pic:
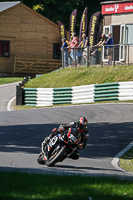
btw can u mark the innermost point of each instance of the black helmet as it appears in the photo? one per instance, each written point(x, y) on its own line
point(82, 124)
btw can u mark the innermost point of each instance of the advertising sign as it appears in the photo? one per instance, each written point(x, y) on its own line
point(83, 24)
point(62, 30)
point(72, 24)
point(117, 8)
point(93, 26)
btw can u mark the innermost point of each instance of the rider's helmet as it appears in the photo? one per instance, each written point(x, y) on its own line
point(82, 124)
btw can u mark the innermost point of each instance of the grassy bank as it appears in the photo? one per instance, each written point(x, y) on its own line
point(82, 76)
point(7, 80)
point(126, 161)
point(51, 187)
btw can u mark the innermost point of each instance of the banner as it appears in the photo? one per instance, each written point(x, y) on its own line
point(93, 26)
point(115, 8)
point(83, 24)
point(62, 30)
point(72, 23)
point(100, 30)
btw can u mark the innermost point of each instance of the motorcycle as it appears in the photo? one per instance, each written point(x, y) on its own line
point(57, 149)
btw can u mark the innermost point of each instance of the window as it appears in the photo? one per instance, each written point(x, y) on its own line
point(129, 34)
point(4, 48)
point(106, 30)
point(56, 51)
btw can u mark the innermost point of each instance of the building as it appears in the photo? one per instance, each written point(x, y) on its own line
point(119, 21)
point(29, 42)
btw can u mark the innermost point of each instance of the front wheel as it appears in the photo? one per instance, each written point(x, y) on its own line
point(56, 156)
point(40, 160)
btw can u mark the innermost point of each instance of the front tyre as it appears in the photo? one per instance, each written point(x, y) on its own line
point(54, 158)
point(40, 160)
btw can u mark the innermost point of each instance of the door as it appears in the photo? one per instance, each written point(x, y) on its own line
point(116, 41)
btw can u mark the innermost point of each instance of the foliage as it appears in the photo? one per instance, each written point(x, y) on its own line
point(61, 10)
point(10, 80)
point(126, 161)
point(38, 186)
point(69, 77)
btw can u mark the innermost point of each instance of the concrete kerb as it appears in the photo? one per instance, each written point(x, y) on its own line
point(9, 105)
point(115, 161)
point(11, 100)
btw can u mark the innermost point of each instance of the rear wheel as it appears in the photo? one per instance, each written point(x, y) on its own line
point(56, 156)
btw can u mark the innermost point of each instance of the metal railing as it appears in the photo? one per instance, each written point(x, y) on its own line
point(118, 54)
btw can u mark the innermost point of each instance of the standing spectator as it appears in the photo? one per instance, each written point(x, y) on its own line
point(102, 41)
point(65, 51)
point(84, 43)
point(74, 43)
point(109, 48)
point(95, 50)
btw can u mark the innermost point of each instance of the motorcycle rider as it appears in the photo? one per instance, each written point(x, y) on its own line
point(78, 129)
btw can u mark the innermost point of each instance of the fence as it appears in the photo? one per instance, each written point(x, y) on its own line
point(117, 54)
point(119, 91)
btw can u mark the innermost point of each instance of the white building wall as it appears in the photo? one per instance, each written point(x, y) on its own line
point(126, 18)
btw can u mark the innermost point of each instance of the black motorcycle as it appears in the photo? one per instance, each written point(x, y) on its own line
point(57, 149)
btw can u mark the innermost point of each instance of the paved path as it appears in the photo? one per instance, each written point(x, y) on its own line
point(7, 92)
point(110, 127)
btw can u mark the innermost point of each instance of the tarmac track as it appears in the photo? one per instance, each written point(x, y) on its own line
point(110, 127)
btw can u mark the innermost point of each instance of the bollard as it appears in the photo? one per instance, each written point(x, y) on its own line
point(20, 91)
point(19, 95)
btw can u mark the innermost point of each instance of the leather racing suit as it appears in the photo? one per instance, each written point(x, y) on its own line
point(71, 128)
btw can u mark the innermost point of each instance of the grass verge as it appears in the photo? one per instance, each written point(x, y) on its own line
point(23, 186)
point(126, 161)
point(69, 77)
point(24, 107)
point(7, 80)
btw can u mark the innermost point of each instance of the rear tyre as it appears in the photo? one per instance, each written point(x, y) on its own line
point(56, 157)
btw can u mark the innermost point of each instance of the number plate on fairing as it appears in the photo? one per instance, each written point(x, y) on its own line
point(53, 141)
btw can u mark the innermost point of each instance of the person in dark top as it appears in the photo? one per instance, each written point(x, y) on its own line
point(65, 51)
point(78, 129)
point(95, 50)
point(109, 42)
point(84, 44)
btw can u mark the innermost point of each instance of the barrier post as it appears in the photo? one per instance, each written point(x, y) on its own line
point(87, 57)
point(128, 54)
point(19, 95)
point(113, 56)
point(62, 58)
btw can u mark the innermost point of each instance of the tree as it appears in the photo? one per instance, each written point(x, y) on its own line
point(61, 10)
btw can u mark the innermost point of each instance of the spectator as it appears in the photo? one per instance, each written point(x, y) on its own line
point(73, 44)
point(94, 50)
point(109, 42)
point(65, 51)
point(84, 43)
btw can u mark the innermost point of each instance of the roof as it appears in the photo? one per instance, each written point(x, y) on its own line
point(118, 1)
point(6, 5)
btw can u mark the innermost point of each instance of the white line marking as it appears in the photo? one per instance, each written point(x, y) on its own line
point(10, 103)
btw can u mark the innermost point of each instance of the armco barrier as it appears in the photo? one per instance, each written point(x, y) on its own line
point(79, 94)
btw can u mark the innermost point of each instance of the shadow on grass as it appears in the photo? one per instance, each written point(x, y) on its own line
point(32, 186)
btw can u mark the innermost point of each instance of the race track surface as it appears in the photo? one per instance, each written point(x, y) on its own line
point(110, 128)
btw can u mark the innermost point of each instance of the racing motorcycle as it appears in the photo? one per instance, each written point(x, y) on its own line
point(57, 149)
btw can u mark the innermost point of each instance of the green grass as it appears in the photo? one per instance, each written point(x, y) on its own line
point(126, 161)
point(69, 77)
point(23, 186)
point(7, 80)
